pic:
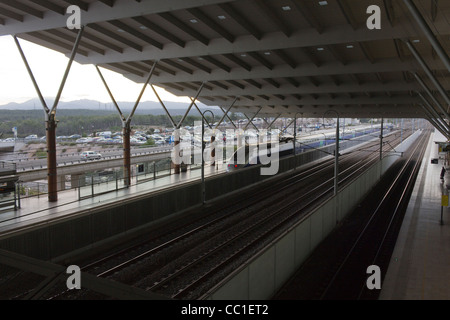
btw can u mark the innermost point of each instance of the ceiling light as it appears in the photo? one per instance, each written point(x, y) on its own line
point(416, 41)
point(143, 27)
point(350, 46)
point(243, 55)
point(286, 8)
point(193, 20)
point(221, 17)
point(120, 30)
point(267, 53)
point(200, 59)
point(323, 3)
point(320, 49)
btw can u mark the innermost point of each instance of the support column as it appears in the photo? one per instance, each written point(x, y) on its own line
point(50, 115)
point(52, 175)
point(177, 167)
point(213, 150)
point(239, 138)
point(381, 139)
point(126, 154)
point(336, 159)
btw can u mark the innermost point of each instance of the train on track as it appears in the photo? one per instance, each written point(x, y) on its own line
point(250, 154)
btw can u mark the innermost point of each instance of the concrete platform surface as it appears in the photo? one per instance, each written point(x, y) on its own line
point(420, 264)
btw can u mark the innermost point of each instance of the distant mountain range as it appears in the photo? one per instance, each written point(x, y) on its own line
point(147, 107)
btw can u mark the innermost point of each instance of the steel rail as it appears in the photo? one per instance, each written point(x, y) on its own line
point(368, 224)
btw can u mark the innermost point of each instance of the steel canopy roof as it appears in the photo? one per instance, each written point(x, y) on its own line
point(276, 56)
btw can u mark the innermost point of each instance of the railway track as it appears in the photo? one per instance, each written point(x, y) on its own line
point(167, 264)
point(338, 268)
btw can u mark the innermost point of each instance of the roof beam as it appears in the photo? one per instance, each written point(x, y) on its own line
point(139, 66)
point(236, 84)
point(236, 16)
point(366, 52)
point(115, 36)
point(283, 56)
point(434, 10)
point(379, 77)
point(219, 84)
point(390, 11)
point(68, 37)
point(428, 33)
point(253, 83)
point(270, 13)
point(336, 54)
point(272, 82)
point(135, 33)
point(355, 78)
point(177, 65)
point(83, 5)
point(50, 5)
point(261, 60)
point(184, 27)
point(157, 29)
point(160, 67)
point(199, 14)
point(98, 12)
point(398, 49)
point(346, 11)
point(270, 42)
point(217, 63)
point(109, 3)
point(335, 80)
point(10, 14)
point(325, 100)
point(313, 58)
point(55, 42)
point(196, 64)
point(313, 80)
point(120, 66)
point(238, 61)
point(293, 82)
point(309, 17)
point(24, 8)
point(284, 71)
point(99, 41)
point(288, 89)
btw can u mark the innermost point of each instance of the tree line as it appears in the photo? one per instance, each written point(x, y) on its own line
point(82, 122)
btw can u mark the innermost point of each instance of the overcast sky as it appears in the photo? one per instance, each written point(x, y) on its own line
point(48, 67)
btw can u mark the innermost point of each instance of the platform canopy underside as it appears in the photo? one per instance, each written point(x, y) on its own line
point(278, 57)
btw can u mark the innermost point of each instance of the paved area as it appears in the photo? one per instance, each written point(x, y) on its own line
point(34, 210)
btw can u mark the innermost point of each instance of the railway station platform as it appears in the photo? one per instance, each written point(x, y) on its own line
point(36, 210)
point(419, 266)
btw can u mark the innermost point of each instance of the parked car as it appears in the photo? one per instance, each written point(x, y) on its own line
point(90, 155)
point(31, 137)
